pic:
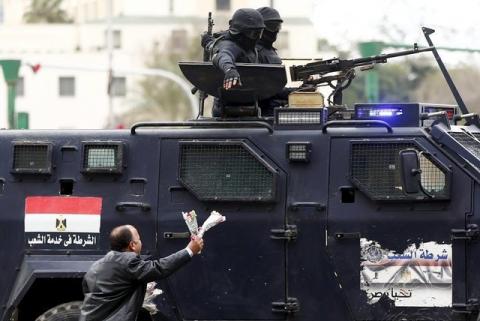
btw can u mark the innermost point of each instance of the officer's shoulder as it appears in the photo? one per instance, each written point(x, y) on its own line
point(226, 43)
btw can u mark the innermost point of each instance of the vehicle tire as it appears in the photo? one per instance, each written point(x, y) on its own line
point(69, 311)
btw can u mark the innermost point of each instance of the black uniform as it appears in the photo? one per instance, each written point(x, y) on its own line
point(267, 54)
point(236, 45)
point(227, 51)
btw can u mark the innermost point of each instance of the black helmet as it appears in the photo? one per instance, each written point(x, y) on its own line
point(270, 14)
point(244, 20)
point(271, 18)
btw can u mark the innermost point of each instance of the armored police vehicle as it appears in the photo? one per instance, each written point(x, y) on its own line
point(369, 217)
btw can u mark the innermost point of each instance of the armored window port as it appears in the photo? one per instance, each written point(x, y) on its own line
point(32, 158)
point(103, 157)
point(348, 194)
point(66, 186)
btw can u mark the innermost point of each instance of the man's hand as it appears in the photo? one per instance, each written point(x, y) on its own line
point(195, 245)
point(232, 79)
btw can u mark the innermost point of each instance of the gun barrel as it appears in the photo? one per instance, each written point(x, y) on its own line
point(383, 58)
point(321, 67)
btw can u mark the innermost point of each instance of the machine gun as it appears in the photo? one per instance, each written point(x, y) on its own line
point(341, 71)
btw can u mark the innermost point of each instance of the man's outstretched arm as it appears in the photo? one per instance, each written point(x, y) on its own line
point(148, 271)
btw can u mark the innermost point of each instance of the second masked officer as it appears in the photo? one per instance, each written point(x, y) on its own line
point(267, 54)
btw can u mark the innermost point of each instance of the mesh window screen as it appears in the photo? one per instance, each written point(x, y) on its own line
point(468, 142)
point(102, 158)
point(375, 169)
point(31, 158)
point(225, 173)
point(433, 179)
point(477, 136)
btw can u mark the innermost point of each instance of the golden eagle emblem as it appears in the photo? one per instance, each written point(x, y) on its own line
point(61, 224)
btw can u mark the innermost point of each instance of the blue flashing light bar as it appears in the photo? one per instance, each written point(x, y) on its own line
point(401, 114)
point(383, 112)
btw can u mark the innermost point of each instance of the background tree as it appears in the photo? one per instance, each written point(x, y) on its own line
point(411, 79)
point(46, 11)
point(158, 98)
point(398, 81)
point(418, 80)
point(435, 89)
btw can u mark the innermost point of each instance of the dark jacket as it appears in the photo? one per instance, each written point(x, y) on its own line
point(115, 285)
point(227, 51)
point(267, 54)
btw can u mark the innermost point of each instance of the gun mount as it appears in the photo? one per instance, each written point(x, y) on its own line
point(259, 82)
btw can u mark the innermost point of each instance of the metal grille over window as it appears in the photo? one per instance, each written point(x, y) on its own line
point(433, 179)
point(477, 136)
point(225, 172)
point(31, 158)
point(98, 158)
point(472, 145)
point(375, 169)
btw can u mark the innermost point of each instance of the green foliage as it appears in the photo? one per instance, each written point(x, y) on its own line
point(418, 80)
point(159, 98)
point(398, 81)
point(46, 11)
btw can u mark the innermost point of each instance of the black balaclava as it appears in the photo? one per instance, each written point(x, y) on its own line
point(273, 23)
point(246, 27)
point(245, 42)
point(269, 36)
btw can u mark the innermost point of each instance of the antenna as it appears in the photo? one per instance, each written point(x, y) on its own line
point(463, 108)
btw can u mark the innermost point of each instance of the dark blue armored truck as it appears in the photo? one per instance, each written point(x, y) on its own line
point(374, 217)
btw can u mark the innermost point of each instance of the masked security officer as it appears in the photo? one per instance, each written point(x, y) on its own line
point(237, 44)
point(267, 54)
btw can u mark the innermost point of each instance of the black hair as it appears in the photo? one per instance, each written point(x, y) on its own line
point(120, 238)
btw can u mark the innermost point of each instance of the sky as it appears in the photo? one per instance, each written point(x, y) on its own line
point(344, 22)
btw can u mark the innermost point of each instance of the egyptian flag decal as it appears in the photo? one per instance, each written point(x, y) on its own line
point(62, 222)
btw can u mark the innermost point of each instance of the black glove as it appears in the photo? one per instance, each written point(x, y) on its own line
point(232, 79)
point(206, 39)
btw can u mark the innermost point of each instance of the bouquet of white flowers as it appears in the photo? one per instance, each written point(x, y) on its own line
point(150, 294)
point(215, 218)
point(191, 220)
